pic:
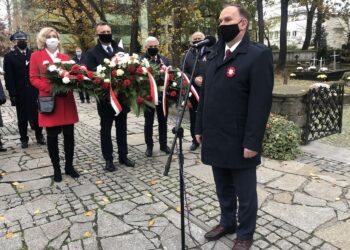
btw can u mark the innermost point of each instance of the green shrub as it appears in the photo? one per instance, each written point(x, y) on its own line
point(281, 140)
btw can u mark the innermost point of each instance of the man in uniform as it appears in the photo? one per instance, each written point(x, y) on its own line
point(153, 56)
point(107, 48)
point(232, 114)
point(22, 94)
point(78, 58)
point(199, 73)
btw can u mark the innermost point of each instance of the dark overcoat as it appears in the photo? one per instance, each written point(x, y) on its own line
point(16, 69)
point(235, 104)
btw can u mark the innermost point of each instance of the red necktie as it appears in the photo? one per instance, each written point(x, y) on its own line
point(228, 52)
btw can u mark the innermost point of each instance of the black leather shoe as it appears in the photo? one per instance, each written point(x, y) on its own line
point(149, 152)
point(194, 146)
point(127, 162)
point(57, 176)
point(41, 141)
point(72, 172)
point(24, 144)
point(88, 101)
point(217, 232)
point(110, 166)
point(165, 149)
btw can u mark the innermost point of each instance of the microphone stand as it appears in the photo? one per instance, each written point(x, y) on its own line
point(178, 131)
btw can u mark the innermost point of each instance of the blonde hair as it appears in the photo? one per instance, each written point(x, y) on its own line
point(41, 37)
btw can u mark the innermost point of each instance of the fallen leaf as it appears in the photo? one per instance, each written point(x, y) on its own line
point(85, 171)
point(98, 182)
point(2, 218)
point(87, 234)
point(337, 199)
point(37, 211)
point(89, 213)
point(15, 183)
point(151, 222)
point(106, 200)
point(9, 235)
point(148, 195)
point(3, 174)
point(153, 182)
point(199, 162)
point(312, 174)
point(178, 209)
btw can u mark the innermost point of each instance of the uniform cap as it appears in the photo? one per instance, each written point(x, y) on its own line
point(19, 35)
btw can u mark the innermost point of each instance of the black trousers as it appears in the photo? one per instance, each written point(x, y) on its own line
point(52, 144)
point(107, 117)
point(82, 97)
point(22, 122)
point(233, 184)
point(193, 113)
point(162, 126)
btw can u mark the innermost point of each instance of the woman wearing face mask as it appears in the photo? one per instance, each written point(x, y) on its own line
point(65, 114)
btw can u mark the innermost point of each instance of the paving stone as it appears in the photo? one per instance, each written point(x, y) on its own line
point(127, 242)
point(339, 205)
point(17, 213)
point(78, 230)
point(30, 175)
point(157, 208)
point(35, 238)
point(284, 197)
point(85, 189)
point(90, 244)
point(323, 190)
point(57, 243)
point(215, 245)
point(262, 195)
point(120, 207)
point(6, 189)
point(308, 200)
point(76, 245)
point(305, 218)
point(265, 175)
point(35, 185)
point(142, 200)
point(288, 182)
point(53, 229)
point(14, 243)
point(42, 204)
point(338, 234)
point(109, 225)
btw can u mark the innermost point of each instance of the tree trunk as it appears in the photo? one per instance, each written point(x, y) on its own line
point(134, 32)
point(309, 21)
point(261, 25)
point(176, 37)
point(283, 36)
point(9, 15)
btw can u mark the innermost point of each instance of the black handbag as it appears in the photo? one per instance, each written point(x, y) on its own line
point(46, 104)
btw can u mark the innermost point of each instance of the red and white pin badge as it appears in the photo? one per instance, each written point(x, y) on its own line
point(231, 72)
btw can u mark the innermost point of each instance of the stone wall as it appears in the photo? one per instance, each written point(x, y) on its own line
point(303, 55)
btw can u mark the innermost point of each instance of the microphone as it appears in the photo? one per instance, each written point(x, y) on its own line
point(208, 41)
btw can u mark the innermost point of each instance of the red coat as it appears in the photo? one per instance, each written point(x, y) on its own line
point(65, 111)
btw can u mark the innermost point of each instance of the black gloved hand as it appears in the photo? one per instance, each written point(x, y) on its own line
point(2, 101)
point(13, 101)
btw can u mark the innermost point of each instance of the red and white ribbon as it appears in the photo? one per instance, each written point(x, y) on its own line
point(153, 88)
point(114, 102)
point(193, 90)
point(166, 84)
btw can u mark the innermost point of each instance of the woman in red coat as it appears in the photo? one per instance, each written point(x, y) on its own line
point(65, 114)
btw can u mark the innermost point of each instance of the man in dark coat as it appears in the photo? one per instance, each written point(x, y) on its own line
point(107, 48)
point(152, 49)
point(199, 73)
point(78, 58)
point(22, 94)
point(233, 110)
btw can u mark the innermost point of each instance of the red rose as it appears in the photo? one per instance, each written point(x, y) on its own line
point(131, 69)
point(140, 100)
point(80, 77)
point(139, 71)
point(183, 92)
point(171, 76)
point(90, 74)
point(149, 98)
point(75, 68)
point(127, 82)
point(105, 85)
point(114, 72)
point(98, 81)
point(184, 83)
point(133, 77)
point(173, 93)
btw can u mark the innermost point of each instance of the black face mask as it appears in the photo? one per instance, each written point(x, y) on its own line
point(152, 51)
point(195, 42)
point(22, 45)
point(228, 32)
point(105, 38)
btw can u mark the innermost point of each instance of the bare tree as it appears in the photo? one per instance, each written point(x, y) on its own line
point(283, 36)
point(7, 4)
point(261, 25)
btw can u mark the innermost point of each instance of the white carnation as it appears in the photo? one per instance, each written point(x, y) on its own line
point(120, 72)
point(52, 68)
point(99, 69)
point(112, 64)
point(179, 74)
point(83, 67)
point(174, 84)
point(107, 80)
point(56, 60)
point(65, 80)
point(106, 60)
point(190, 94)
point(144, 70)
point(145, 62)
point(46, 62)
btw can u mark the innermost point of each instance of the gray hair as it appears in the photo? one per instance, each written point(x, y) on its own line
point(151, 39)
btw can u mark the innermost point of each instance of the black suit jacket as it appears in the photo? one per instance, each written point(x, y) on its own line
point(234, 108)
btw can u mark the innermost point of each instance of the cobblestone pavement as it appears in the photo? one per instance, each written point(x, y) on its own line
point(302, 205)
